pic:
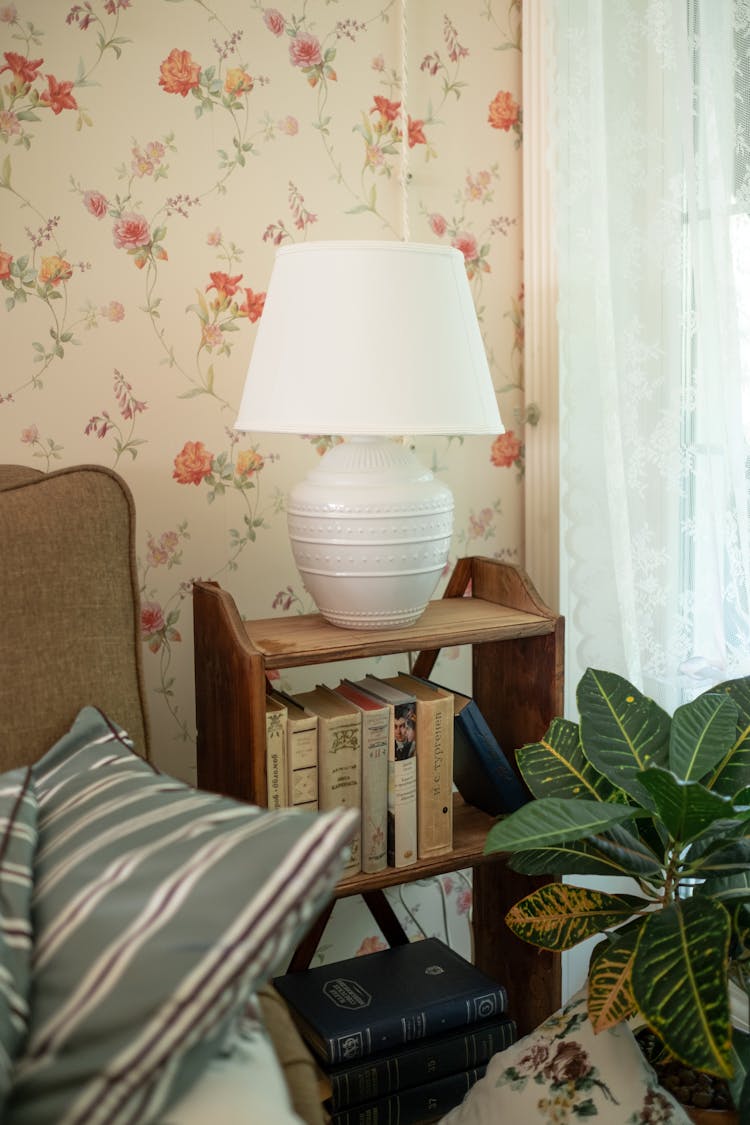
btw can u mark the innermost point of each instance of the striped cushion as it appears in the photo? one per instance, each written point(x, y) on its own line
point(17, 843)
point(158, 911)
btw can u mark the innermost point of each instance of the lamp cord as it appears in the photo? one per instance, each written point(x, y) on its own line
point(405, 175)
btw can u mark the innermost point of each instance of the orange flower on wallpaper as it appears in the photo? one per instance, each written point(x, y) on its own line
point(54, 269)
point(238, 81)
point(387, 109)
point(224, 285)
point(416, 133)
point(504, 111)
point(252, 307)
point(24, 70)
point(248, 462)
point(506, 449)
point(179, 74)
point(193, 463)
point(5, 264)
point(58, 96)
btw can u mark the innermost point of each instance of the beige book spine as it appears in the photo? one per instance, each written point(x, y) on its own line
point(302, 755)
point(276, 768)
point(340, 771)
point(377, 735)
point(402, 811)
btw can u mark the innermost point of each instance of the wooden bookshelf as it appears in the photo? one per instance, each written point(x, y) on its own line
point(517, 680)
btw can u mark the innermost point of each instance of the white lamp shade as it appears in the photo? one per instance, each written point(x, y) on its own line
point(369, 338)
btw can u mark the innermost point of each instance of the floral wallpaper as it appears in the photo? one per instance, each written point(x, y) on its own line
point(153, 155)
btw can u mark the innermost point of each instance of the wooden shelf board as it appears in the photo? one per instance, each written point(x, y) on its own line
point(288, 642)
point(470, 828)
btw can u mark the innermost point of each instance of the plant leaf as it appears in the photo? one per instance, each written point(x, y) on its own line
point(610, 997)
point(552, 820)
point(680, 981)
point(631, 854)
point(576, 858)
point(702, 733)
point(558, 767)
point(733, 772)
point(558, 915)
point(622, 731)
point(687, 808)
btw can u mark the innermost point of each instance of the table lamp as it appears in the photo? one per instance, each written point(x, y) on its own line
point(369, 341)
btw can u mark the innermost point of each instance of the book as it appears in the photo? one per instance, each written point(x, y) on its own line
point(377, 735)
point(429, 1060)
point(418, 1104)
point(301, 753)
point(401, 844)
point(339, 757)
point(355, 1008)
point(276, 753)
point(481, 772)
point(434, 709)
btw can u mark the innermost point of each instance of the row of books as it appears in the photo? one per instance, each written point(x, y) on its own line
point(392, 747)
point(401, 1034)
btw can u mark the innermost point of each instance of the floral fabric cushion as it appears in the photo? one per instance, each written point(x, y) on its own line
point(563, 1072)
point(158, 911)
point(17, 844)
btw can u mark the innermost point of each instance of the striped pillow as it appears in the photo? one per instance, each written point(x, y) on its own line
point(17, 843)
point(158, 910)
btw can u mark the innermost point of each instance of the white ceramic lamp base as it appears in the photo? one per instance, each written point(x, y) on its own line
point(370, 530)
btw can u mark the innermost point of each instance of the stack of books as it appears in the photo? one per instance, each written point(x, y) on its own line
point(394, 748)
point(401, 1034)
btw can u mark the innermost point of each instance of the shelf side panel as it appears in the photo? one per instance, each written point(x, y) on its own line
point(229, 699)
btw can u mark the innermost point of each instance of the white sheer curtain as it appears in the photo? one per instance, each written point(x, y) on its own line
point(650, 158)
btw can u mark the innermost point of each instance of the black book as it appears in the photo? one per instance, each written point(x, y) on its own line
point(428, 1102)
point(481, 772)
point(352, 1009)
point(431, 1059)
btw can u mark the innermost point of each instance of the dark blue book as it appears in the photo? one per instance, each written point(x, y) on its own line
point(433, 1058)
point(481, 772)
point(352, 1009)
point(412, 1107)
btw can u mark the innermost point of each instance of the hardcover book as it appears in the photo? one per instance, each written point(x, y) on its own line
point(427, 1061)
point(301, 753)
point(377, 735)
point(356, 1008)
point(434, 706)
point(402, 771)
point(418, 1104)
point(275, 753)
point(339, 757)
point(481, 772)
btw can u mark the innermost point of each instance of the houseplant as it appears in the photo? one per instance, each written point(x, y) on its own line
point(630, 791)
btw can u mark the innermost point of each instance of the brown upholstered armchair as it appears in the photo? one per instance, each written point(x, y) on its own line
point(70, 637)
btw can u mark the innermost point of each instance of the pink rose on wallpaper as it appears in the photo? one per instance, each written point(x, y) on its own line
point(253, 304)
point(58, 96)
point(193, 463)
point(95, 203)
point(114, 311)
point(438, 224)
point(54, 269)
point(467, 244)
point(213, 238)
point(152, 618)
point(211, 335)
point(370, 945)
point(289, 125)
point(5, 264)
point(178, 73)
point(9, 123)
point(131, 231)
point(304, 50)
point(503, 111)
point(506, 449)
point(30, 435)
point(8, 13)
point(274, 21)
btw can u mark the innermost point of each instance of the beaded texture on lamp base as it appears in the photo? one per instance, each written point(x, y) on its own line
point(370, 530)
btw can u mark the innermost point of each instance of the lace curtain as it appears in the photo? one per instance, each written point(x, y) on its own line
point(650, 159)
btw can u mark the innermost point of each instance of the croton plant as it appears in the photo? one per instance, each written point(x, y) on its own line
point(630, 791)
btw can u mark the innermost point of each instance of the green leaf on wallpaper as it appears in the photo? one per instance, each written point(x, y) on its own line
point(192, 393)
point(360, 207)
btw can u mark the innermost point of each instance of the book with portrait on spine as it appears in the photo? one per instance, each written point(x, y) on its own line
point(433, 1058)
point(352, 1009)
point(275, 753)
point(339, 757)
point(428, 1102)
point(377, 734)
